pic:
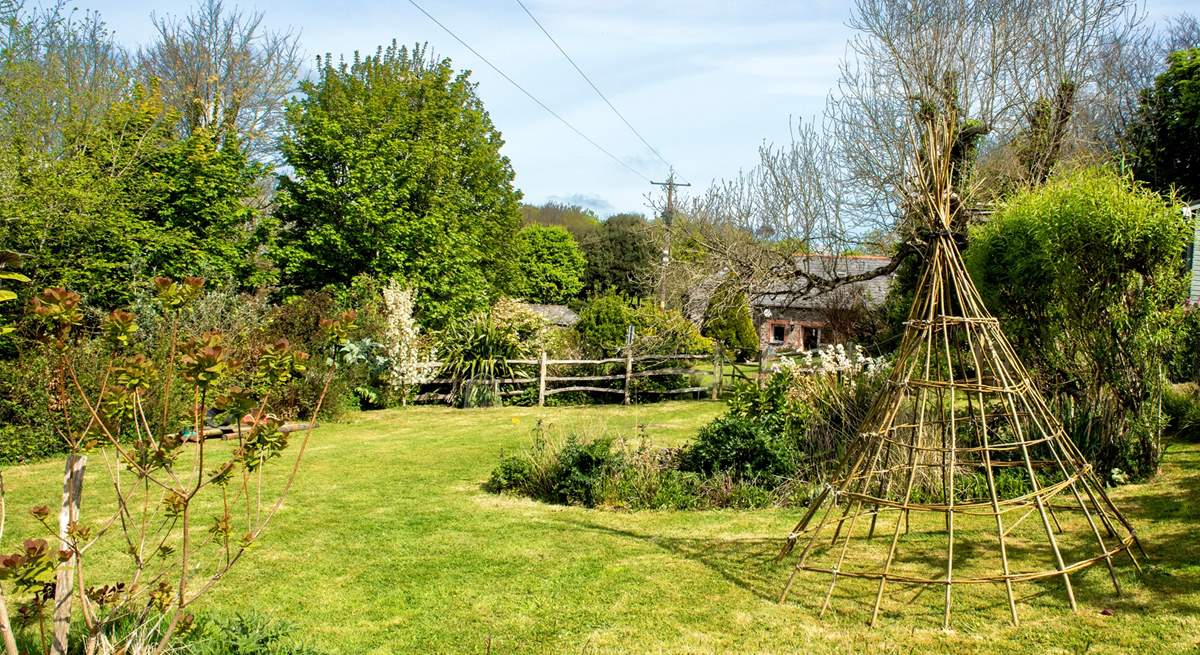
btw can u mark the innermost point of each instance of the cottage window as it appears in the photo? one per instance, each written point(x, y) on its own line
point(778, 332)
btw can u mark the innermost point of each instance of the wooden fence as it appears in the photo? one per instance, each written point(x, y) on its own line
point(650, 366)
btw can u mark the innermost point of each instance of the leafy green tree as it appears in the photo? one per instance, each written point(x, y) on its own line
point(622, 257)
point(126, 198)
point(727, 320)
point(550, 265)
point(396, 170)
point(1086, 273)
point(1162, 140)
point(580, 222)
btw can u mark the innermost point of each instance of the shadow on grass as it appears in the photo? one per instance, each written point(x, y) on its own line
point(747, 563)
point(1166, 517)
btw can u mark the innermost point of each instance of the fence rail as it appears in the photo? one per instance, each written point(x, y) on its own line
point(545, 381)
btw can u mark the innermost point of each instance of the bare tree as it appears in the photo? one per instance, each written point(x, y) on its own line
point(844, 184)
point(223, 71)
point(60, 71)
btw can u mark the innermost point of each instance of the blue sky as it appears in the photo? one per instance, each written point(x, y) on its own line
point(706, 81)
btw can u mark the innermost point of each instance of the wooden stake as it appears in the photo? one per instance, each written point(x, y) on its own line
point(64, 585)
point(542, 379)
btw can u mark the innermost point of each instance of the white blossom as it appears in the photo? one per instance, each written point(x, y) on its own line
point(409, 365)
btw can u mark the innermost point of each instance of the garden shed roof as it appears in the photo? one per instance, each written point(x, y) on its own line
point(560, 315)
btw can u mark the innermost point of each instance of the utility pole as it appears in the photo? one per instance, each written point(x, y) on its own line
point(670, 185)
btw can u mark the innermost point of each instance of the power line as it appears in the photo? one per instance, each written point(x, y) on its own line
point(595, 88)
point(520, 88)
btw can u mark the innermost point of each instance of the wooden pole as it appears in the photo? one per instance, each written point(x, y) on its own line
point(762, 359)
point(542, 380)
point(715, 392)
point(64, 585)
point(628, 371)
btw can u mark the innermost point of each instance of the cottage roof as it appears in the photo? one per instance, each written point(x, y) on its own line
point(554, 314)
point(789, 293)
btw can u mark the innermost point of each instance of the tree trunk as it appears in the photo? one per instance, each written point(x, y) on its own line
point(65, 580)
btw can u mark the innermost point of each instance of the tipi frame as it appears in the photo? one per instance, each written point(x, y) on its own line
point(958, 430)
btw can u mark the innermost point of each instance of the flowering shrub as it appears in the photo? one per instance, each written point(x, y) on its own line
point(410, 362)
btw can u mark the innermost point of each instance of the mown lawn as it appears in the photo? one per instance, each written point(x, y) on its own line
point(388, 545)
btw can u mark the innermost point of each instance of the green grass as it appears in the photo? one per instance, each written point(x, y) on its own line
point(388, 545)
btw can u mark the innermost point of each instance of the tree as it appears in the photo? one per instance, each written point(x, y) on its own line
point(396, 170)
point(846, 181)
point(550, 263)
point(622, 257)
point(728, 321)
point(1162, 139)
point(580, 222)
point(1086, 275)
point(223, 73)
point(128, 198)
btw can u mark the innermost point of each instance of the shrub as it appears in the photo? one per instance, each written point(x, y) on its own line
point(244, 634)
point(1181, 407)
point(603, 472)
point(475, 356)
point(602, 325)
point(582, 467)
point(1086, 273)
point(512, 473)
point(738, 445)
point(727, 321)
point(666, 332)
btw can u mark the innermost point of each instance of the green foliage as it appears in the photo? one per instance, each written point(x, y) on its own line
point(581, 223)
point(1086, 272)
point(582, 466)
point(1181, 405)
point(594, 472)
point(8, 259)
point(551, 265)
point(126, 198)
point(397, 171)
point(244, 634)
point(727, 321)
point(622, 257)
point(666, 332)
point(604, 321)
point(475, 353)
point(1162, 139)
point(739, 445)
point(603, 324)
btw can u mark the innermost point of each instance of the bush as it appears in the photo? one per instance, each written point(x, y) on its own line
point(512, 473)
point(475, 353)
point(1181, 406)
point(582, 467)
point(601, 472)
point(727, 321)
point(1087, 275)
point(739, 446)
point(602, 325)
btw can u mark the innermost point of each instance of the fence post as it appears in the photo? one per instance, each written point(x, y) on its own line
point(762, 358)
point(716, 384)
point(542, 380)
point(628, 371)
